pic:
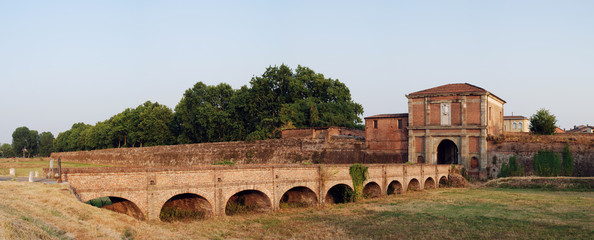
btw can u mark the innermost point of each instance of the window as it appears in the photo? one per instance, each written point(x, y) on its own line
point(520, 126)
point(515, 125)
point(420, 159)
point(400, 124)
point(374, 123)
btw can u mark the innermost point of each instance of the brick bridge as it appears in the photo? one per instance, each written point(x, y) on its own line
point(144, 192)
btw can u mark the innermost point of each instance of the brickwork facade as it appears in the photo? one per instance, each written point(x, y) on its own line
point(454, 123)
point(150, 189)
point(273, 151)
point(448, 124)
point(325, 133)
point(386, 137)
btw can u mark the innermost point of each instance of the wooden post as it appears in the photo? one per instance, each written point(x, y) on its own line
point(59, 170)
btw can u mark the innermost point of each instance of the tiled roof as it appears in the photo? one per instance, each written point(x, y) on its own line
point(450, 88)
point(453, 88)
point(580, 129)
point(396, 115)
point(514, 117)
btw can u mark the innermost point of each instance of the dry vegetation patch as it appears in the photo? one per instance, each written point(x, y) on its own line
point(38, 211)
point(545, 183)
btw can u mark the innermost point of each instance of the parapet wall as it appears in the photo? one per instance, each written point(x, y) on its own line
point(525, 145)
point(273, 151)
point(332, 151)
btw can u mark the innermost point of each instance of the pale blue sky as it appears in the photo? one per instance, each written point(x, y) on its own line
point(63, 62)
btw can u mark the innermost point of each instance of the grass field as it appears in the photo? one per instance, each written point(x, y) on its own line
point(34, 210)
point(23, 166)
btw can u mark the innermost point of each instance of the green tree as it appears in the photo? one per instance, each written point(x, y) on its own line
point(567, 165)
point(206, 114)
point(23, 138)
point(74, 139)
point(60, 143)
point(6, 150)
point(543, 122)
point(46, 144)
point(281, 97)
point(120, 128)
point(155, 125)
point(97, 137)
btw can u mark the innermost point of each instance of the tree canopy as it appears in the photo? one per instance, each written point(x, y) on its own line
point(148, 124)
point(6, 150)
point(543, 122)
point(46, 144)
point(280, 98)
point(24, 139)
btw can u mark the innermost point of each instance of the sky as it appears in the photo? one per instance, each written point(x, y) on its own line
point(64, 62)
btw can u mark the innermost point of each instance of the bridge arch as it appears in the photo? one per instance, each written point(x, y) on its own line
point(119, 205)
point(413, 185)
point(372, 190)
point(443, 181)
point(185, 206)
point(429, 183)
point(395, 187)
point(248, 200)
point(300, 196)
point(339, 193)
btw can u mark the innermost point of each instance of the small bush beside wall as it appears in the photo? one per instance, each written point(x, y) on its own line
point(511, 168)
point(547, 164)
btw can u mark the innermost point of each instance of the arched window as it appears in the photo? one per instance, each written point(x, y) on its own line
point(515, 125)
point(520, 126)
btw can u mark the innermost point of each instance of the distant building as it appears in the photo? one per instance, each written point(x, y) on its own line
point(386, 137)
point(516, 124)
point(559, 130)
point(448, 124)
point(581, 129)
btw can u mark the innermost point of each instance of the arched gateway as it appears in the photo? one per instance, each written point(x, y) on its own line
point(447, 152)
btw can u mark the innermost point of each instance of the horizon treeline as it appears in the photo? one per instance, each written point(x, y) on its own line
point(278, 99)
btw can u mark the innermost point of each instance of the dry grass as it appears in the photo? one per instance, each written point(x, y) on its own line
point(545, 183)
point(38, 211)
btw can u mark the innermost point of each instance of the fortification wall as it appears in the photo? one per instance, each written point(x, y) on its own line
point(333, 151)
point(273, 151)
point(525, 145)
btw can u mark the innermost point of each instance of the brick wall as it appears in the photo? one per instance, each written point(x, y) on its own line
point(525, 145)
point(281, 151)
point(274, 151)
point(321, 133)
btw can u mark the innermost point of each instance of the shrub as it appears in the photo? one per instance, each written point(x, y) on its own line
point(358, 173)
point(224, 162)
point(234, 208)
point(173, 213)
point(511, 169)
point(547, 164)
point(567, 165)
point(100, 202)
